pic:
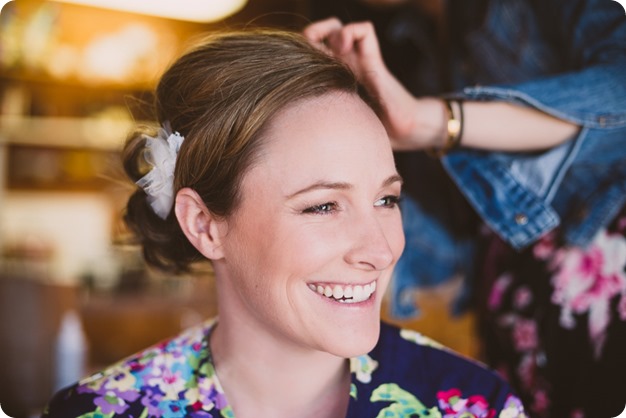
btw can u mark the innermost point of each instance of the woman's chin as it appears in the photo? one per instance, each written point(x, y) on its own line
point(354, 342)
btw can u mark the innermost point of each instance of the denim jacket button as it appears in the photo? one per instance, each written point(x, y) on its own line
point(521, 219)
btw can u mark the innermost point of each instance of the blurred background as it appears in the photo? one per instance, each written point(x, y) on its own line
point(73, 78)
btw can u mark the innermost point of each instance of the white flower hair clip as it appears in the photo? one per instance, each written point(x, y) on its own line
point(161, 152)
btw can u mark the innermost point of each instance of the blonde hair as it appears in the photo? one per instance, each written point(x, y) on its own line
point(220, 96)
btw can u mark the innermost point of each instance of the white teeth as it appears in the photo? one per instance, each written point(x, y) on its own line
point(337, 292)
point(345, 294)
point(358, 292)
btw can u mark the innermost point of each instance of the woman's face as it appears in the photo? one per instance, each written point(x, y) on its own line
point(311, 247)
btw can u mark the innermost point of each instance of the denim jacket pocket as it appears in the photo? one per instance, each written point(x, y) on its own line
point(509, 208)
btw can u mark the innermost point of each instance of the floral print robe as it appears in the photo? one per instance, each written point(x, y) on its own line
point(406, 375)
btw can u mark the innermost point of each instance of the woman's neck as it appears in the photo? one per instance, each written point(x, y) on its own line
point(262, 376)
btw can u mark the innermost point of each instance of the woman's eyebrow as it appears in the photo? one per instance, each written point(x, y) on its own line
point(321, 185)
point(341, 185)
point(393, 179)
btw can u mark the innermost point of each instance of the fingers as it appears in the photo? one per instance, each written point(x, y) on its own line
point(358, 37)
point(318, 32)
point(332, 36)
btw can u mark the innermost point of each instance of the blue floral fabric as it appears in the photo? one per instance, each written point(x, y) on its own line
point(406, 375)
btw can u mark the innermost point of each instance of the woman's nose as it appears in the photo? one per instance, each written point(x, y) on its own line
point(370, 247)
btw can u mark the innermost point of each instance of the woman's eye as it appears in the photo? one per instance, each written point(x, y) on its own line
point(390, 201)
point(323, 209)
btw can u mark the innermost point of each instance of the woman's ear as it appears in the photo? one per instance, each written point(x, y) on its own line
point(199, 225)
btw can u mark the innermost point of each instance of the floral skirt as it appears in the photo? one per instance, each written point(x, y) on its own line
point(553, 321)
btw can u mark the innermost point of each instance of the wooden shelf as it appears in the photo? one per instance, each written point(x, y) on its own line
point(68, 132)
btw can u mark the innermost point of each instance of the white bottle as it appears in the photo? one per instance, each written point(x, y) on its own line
point(70, 351)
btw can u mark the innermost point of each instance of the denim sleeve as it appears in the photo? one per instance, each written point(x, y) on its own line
point(514, 192)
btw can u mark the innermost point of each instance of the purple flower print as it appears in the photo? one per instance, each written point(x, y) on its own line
point(199, 414)
point(151, 400)
point(218, 398)
point(115, 401)
point(513, 408)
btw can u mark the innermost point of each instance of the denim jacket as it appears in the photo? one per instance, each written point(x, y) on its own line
point(566, 58)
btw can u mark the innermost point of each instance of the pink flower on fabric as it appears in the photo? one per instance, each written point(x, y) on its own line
point(498, 289)
point(577, 413)
point(587, 279)
point(526, 370)
point(525, 334)
point(522, 297)
point(168, 381)
point(453, 406)
point(540, 402)
point(545, 247)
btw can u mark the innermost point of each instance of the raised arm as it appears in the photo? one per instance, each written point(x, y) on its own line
point(420, 122)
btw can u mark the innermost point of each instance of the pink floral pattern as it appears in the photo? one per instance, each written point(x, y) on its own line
point(525, 334)
point(453, 405)
point(586, 280)
point(498, 290)
point(554, 317)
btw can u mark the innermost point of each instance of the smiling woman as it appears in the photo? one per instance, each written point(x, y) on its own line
point(278, 172)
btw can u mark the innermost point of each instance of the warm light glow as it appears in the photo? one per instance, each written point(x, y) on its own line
point(193, 10)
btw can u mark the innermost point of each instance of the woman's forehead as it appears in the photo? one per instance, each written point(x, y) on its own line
point(332, 138)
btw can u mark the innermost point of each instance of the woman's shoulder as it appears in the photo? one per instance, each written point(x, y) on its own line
point(408, 368)
point(152, 379)
point(413, 350)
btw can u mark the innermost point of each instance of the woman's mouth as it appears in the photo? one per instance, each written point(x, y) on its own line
point(345, 293)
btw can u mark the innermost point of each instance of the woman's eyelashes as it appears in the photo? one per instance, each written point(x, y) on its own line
point(322, 209)
point(389, 201)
